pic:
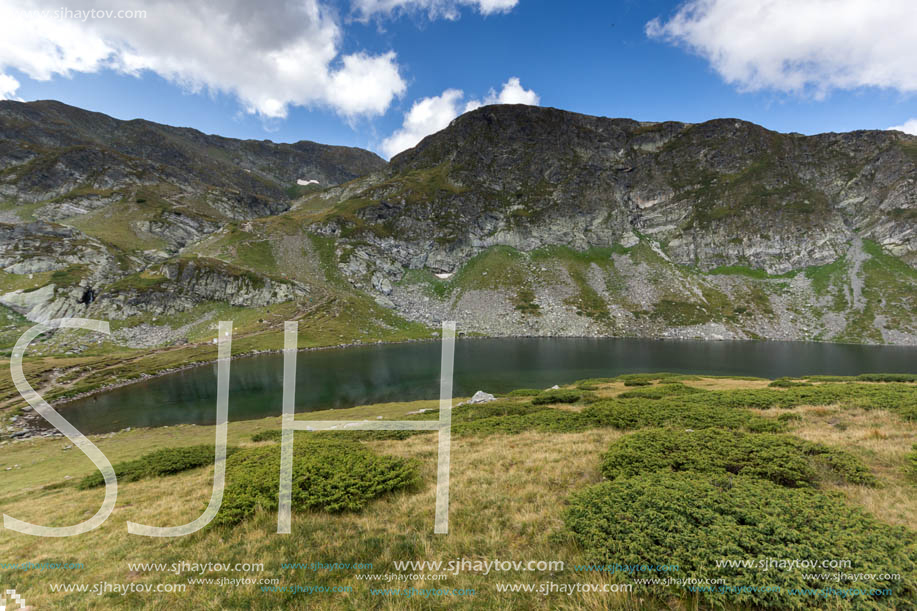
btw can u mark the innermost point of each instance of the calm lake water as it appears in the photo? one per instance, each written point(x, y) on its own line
point(402, 372)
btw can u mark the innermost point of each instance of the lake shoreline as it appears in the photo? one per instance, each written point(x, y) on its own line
point(37, 424)
point(30, 423)
point(164, 372)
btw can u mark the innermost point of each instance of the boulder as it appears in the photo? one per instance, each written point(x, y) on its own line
point(480, 397)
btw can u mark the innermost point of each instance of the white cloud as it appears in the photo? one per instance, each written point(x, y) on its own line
point(366, 84)
point(271, 55)
point(426, 116)
point(429, 115)
point(512, 93)
point(908, 127)
point(447, 9)
point(800, 46)
point(8, 86)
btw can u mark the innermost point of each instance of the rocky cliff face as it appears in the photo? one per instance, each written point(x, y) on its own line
point(693, 200)
point(165, 186)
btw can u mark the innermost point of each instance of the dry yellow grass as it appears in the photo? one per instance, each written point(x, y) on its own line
point(507, 499)
point(881, 440)
point(508, 495)
point(726, 383)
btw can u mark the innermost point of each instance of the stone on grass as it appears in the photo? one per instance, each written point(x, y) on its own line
point(479, 397)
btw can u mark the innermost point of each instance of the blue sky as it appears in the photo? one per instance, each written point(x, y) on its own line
point(787, 65)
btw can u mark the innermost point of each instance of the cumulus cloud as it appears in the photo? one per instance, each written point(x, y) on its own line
point(447, 9)
point(426, 116)
point(269, 55)
point(429, 115)
point(908, 127)
point(8, 87)
point(800, 46)
point(512, 93)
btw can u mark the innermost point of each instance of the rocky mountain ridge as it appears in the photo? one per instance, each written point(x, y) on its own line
point(703, 218)
point(87, 201)
point(724, 192)
point(514, 220)
point(46, 146)
point(176, 184)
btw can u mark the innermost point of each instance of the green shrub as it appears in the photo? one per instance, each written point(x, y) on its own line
point(350, 435)
point(467, 413)
point(268, 435)
point(755, 398)
point(592, 382)
point(887, 377)
point(788, 383)
point(782, 459)
point(826, 378)
point(912, 460)
point(629, 414)
point(634, 379)
point(900, 398)
point(825, 394)
point(549, 397)
point(638, 379)
point(789, 417)
point(523, 392)
point(908, 412)
point(673, 389)
point(166, 461)
point(891, 396)
point(328, 473)
point(693, 520)
point(544, 420)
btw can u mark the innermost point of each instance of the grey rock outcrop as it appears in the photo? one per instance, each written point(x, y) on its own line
point(478, 398)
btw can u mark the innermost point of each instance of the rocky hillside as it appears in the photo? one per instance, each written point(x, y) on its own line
point(157, 187)
point(96, 213)
point(514, 220)
point(725, 192)
point(518, 219)
point(62, 161)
